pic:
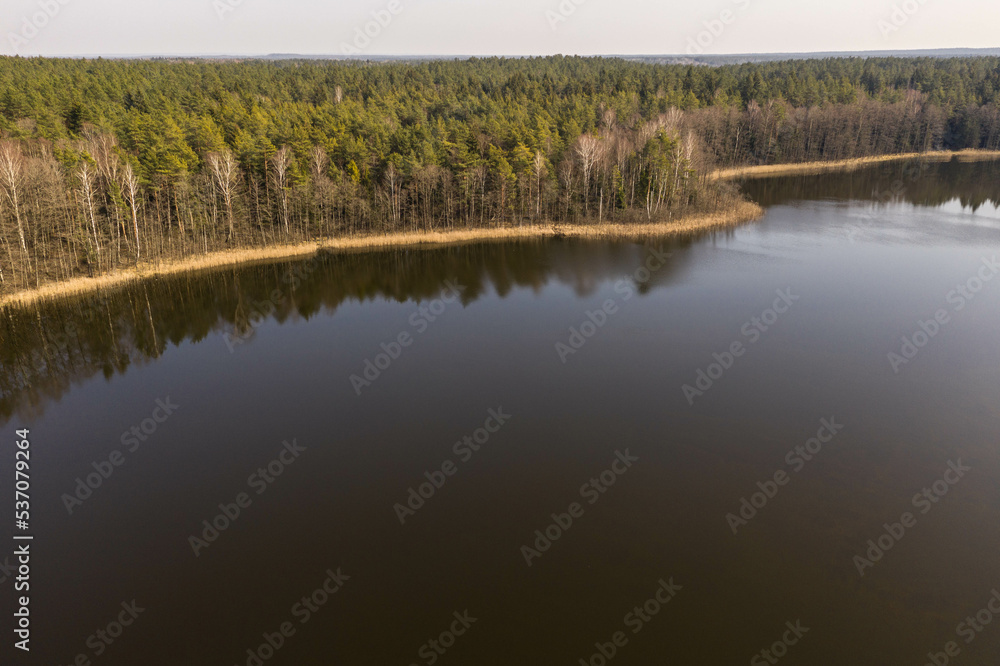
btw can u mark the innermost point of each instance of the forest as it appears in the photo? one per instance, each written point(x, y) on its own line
point(105, 164)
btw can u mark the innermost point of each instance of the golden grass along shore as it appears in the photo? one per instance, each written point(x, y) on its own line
point(807, 168)
point(743, 211)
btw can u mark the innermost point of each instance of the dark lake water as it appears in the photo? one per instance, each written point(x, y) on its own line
point(779, 438)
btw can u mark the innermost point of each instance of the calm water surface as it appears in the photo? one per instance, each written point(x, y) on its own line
point(813, 300)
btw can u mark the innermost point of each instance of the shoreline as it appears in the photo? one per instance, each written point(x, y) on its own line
point(743, 212)
point(811, 168)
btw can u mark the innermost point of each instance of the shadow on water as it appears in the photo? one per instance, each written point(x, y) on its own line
point(49, 346)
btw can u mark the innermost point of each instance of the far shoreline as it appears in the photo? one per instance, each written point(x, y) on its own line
point(742, 213)
point(811, 168)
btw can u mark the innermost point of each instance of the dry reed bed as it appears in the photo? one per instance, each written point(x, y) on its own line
point(808, 168)
point(741, 212)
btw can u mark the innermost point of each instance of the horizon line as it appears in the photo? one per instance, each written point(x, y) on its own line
point(434, 56)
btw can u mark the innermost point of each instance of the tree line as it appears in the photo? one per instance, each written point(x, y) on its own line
point(106, 163)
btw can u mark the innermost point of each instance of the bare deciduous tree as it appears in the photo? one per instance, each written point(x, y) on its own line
point(394, 183)
point(280, 163)
point(11, 181)
point(86, 175)
point(104, 149)
point(130, 189)
point(319, 162)
point(588, 149)
point(224, 168)
point(538, 170)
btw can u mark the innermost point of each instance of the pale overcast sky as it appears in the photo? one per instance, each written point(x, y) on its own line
point(482, 27)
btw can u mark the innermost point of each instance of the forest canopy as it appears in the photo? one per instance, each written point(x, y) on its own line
point(103, 162)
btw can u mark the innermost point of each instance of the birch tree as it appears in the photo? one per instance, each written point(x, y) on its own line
point(280, 163)
point(87, 177)
point(538, 170)
point(130, 189)
point(224, 168)
point(12, 181)
point(393, 182)
point(588, 150)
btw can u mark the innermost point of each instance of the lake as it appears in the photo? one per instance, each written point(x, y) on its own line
point(773, 443)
